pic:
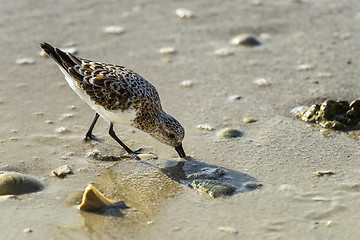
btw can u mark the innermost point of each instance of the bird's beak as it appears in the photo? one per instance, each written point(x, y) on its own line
point(180, 151)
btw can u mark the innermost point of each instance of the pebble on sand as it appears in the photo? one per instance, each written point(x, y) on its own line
point(215, 188)
point(113, 29)
point(184, 13)
point(27, 230)
point(249, 120)
point(229, 133)
point(62, 171)
point(245, 40)
point(23, 61)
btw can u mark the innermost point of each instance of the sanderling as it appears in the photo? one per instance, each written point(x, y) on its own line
point(120, 96)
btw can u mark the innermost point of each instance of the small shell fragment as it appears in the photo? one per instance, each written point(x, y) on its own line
point(322, 173)
point(261, 82)
point(62, 171)
point(167, 50)
point(305, 67)
point(205, 127)
point(93, 199)
point(222, 52)
point(113, 29)
point(184, 13)
point(187, 83)
point(62, 130)
point(324, 75)
point(245, 40)
point(228, 229)
point(23, 61)
point(234, 98)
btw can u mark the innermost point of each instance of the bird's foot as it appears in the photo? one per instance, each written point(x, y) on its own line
point(134, 154)
point(90, 137)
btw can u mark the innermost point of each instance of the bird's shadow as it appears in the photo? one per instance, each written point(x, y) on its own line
point(186, 171)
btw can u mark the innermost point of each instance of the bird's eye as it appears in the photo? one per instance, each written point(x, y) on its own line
point(171, 135)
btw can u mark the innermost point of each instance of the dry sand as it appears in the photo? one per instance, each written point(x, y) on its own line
point(278, 150)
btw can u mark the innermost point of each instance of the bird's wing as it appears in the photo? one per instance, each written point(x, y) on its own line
point(111, 86)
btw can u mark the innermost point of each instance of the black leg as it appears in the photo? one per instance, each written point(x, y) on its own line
point(127, 149)
point(89, 135)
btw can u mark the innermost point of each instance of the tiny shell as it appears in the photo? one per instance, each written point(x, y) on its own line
point(245, 40)
point(167, 50)
point(223, 52)
point(261, 82)
point(62, 130)
point(23, 61)
point(114, 29)
point(229, 133)
point(18, 183)
point(62, 171)
point(205, 127)
point(324, 75)
point(305, 67)
point(234, 98)
point(184, 13)
point(187, 83)
point(228, 229)
point(93, 199)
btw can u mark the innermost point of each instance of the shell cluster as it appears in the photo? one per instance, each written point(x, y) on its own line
point(337, 115)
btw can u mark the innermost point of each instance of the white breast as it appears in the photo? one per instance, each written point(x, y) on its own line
point(116, 116)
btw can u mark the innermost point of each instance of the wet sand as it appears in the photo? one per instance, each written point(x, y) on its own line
point(278, 150)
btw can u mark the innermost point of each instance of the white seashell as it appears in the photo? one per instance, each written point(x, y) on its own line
point(223, 52)
point(305, 67)
point(167, 50)
point(261, 82)
point(62, 130)
point(23, 61)
point(183, 13)
point(205, 127)
point(187, 83)
point(114, 29)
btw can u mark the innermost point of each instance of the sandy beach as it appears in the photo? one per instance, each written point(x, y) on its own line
point(308, 52)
